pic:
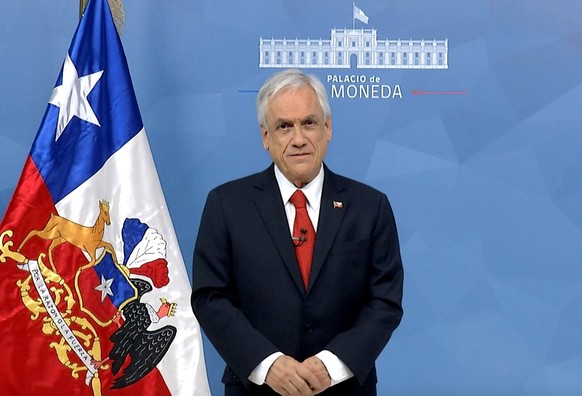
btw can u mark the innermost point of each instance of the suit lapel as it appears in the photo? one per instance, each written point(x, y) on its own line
point(272, 211)
point(331, 213)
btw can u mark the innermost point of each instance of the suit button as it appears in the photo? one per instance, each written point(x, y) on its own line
point(308, 328)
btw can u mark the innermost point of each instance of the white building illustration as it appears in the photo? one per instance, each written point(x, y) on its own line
point(358, 48)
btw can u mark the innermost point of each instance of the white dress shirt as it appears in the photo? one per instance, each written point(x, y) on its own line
point(337, 370)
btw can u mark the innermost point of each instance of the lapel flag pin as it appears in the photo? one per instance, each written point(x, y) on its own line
point(338, 205)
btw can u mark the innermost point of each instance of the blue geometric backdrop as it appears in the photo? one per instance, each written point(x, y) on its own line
point(484, 170)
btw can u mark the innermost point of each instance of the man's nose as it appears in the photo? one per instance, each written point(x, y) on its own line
point(299, 135)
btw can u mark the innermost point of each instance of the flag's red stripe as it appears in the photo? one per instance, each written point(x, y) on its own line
point(34, 366)
point(30, 206)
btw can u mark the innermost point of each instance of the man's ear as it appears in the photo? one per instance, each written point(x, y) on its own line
point(264, 135)
point(328, 128)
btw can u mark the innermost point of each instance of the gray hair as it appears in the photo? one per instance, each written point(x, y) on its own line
point(289, 79)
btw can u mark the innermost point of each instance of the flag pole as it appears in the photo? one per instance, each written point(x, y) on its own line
point(353, 19)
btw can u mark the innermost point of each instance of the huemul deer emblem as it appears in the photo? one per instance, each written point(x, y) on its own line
point(87, 238)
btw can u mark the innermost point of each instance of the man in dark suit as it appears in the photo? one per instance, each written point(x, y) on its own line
point(286, 324)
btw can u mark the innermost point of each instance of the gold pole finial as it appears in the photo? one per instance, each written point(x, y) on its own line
point(117, 10)
point(82, 5)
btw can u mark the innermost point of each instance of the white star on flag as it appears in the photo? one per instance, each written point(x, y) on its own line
point(71, 96)
point(105, 287)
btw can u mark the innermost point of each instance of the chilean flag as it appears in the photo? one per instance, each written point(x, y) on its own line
point(90, 172)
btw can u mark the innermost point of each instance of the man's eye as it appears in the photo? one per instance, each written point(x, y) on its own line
point(309, 122)
point(283, 127)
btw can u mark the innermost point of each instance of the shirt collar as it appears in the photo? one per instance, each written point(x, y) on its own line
point(312, 190)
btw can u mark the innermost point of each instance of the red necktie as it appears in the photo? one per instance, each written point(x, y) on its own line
point(303, 235)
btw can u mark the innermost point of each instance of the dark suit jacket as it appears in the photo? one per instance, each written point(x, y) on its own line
point(248, 294)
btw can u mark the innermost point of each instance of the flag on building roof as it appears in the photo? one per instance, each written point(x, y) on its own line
point(94, 290)
point(359, 14)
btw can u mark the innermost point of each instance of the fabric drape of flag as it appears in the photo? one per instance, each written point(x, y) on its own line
point(360, 15)
point(94, 290)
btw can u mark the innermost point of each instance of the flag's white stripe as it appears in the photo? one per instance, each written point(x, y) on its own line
point(129, 181)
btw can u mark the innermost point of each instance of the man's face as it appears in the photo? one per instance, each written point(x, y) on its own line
point(296, 134)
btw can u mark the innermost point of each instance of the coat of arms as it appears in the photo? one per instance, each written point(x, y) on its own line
point(80, 296)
